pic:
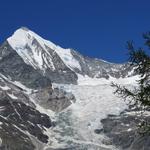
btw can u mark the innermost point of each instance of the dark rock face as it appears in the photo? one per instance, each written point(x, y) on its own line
point(62, 74)
point(54, 99)
point(12, 65)
point(122, 131)
point(101, 69)
point(12, 138)
point(19, 119)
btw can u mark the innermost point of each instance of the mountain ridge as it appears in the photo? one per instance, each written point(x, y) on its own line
point(48, 58)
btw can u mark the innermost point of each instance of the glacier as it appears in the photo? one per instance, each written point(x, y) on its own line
point(76, 124)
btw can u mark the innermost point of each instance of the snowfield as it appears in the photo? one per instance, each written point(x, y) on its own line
point(94, 101)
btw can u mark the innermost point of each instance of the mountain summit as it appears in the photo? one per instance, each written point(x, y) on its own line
point(36, 51)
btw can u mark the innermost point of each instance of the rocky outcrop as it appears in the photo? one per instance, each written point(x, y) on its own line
point(20, 121)
point(123, 132)
point(13, 66)
point(54, 99)
point(97, 68)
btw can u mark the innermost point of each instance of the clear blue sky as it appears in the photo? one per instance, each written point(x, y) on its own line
point(96, 28)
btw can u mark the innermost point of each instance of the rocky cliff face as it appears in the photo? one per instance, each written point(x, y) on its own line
point(20, 121)
point(24, 87)
point(22, 124)
point(13, 66)
point(123, 131)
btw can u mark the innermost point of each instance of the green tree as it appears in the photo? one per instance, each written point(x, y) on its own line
point(139, 96)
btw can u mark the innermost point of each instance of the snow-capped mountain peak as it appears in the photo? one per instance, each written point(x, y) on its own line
point(58, 64)
point(36, 51)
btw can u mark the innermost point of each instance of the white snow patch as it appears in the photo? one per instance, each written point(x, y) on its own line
point(12, 96)
point(5, 88)
point(65, 54)
point(2, 108)
point(86, 80)
point(26, 90)
point(129, 130)
point(68, 58)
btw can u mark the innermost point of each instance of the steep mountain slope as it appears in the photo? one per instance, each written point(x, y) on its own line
point(20, 122)
point(97, 68)
point(13, 66)
point(43, 56)
point(25, 117)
